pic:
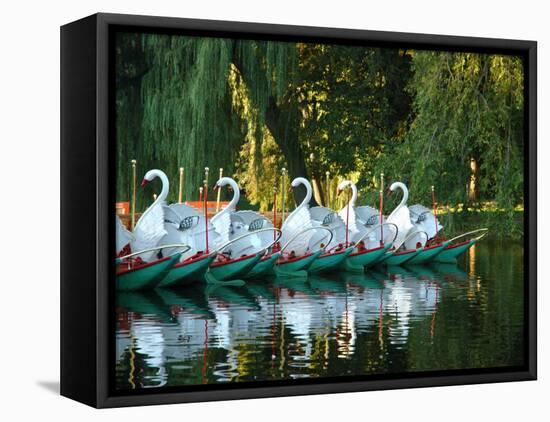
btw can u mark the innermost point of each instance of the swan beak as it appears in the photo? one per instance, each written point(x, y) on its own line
point(215, 187)
point(389, 192)
point(338, 192)
point(144, 182)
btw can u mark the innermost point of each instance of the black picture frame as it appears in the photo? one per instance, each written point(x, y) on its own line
point(87, 198)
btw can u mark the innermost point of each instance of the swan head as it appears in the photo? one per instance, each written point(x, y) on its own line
point(397, 185)
point(151, 175)
point(299, 181)
point(343, 185)
point(224, 181)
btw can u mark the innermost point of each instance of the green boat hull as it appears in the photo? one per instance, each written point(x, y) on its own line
point(428, 254)
point(400, 258)
point(233, 269)
point(146, 276)
point(329, 262)
point(264, 267)
point(357, 262)
point(296, 265)
point(183, 273)
point(450, 254)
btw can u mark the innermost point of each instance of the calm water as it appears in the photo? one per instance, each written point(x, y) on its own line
point(418, 318)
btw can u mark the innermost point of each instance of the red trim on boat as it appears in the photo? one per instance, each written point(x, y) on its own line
point(457, 245)
point(332, 253)
point(231, 261)
point(191, 261)
point(287, 261)
point(433, 246)
point(405, 252)
point(129, 270)
point(366, 251)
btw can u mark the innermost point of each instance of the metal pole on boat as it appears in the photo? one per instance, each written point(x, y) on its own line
point(219, 192)
point(206, 205)
point(435, 213)
point(180, 191)
point(274, 211)
point(283, 171)
point(327, 174)
point(347, 219)
point(134, 182)
point(381, 209)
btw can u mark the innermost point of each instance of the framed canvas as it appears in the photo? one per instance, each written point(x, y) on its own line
point(253, 210)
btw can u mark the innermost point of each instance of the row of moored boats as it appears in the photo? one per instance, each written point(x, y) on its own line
point(174, 245)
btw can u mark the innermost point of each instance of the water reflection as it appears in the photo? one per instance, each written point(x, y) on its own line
point(389, 320)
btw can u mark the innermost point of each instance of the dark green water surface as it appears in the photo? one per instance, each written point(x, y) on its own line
point(388, 320)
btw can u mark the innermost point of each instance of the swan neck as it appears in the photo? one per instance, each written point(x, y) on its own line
point(163, 193)
point(353, 199)
point(309, 193)
point(232, 206)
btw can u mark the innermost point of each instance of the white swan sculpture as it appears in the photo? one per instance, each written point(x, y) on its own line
point(362, 219)
point(424, 220)
point(298, 221)
point(123, 236)
point(401, 217)
point(231, 224)
point(149, 229)
point(186, 225)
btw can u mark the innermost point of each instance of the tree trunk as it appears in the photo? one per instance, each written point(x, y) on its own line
point(283, 124)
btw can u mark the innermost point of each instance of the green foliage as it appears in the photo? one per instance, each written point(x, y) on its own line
point(468, 110)
point(453, 120)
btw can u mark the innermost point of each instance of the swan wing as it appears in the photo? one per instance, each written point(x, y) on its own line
point(123, 236)
point(424, 220)
point(369, 218)
point(296, 222)
point(184, 224)
point(328, 218)
point(149, 231)
point(253, 221)
point(222, 225)
point(352, 219)
point(402, 219)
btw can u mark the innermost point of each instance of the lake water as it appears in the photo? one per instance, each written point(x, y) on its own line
point(389, 320)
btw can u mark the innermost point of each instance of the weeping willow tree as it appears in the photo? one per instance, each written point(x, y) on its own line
point(192, 102)
point(466, 137)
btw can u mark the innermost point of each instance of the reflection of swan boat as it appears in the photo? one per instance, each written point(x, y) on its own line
point(142, 275)
point(326, 284)
point(449, 270)
point(233, 295)
point(147, 303)
point(365, 280)
point(191, 300)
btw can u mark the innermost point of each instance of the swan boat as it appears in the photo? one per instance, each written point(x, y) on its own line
point(410, 242)
point(147, 265)
point(371, 235)
point(338, 248)
point(245, 238)
point(185, 225)
point(452, 251)
point(303, 238)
